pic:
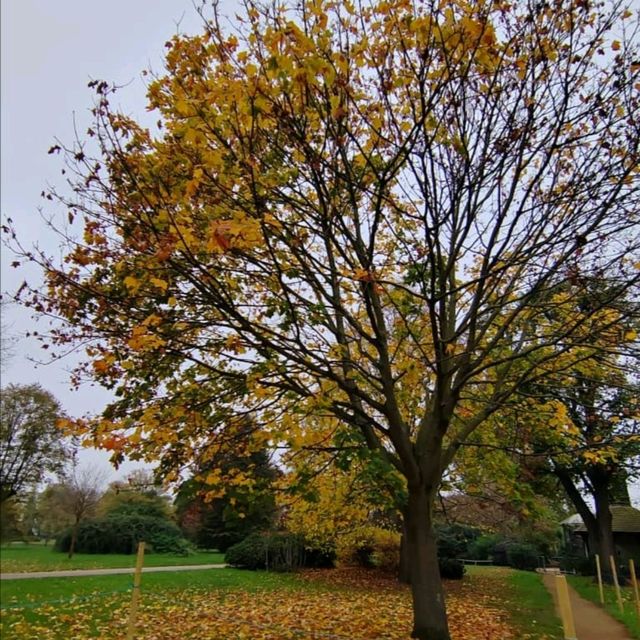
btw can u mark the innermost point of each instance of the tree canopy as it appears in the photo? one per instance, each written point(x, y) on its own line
point(363, 211)
point(31, 443)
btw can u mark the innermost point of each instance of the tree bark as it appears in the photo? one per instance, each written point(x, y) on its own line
point(74, 538)
point(404, 571)
point(604, 521)
point(429, 612)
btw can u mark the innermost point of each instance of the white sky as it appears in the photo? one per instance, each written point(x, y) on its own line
point(50, 50)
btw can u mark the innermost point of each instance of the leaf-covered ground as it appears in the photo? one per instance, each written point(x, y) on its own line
point(338, 604)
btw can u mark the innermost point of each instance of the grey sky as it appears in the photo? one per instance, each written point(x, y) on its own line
point(50, 50)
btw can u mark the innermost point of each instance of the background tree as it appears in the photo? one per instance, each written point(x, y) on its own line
point(243, 508)
point(364, 213)
point(579, 436)
point(6, 340)
point(11, 521)
point(78, 496)
point(599, 450)
point(139, 494)
point(31, 444)
point(581, 424)
point(53, 514)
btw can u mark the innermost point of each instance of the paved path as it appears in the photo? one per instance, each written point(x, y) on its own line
point(79, 573)
point(592, 622)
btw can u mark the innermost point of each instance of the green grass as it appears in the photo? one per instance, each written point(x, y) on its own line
point(525, 599)
point(531, 606)
point(29, 591)
point(25, 558)
point(28, 604)
point(588, 589)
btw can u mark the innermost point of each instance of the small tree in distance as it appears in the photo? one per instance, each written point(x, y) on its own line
point(359, 211)
point(139, 494)
point(79, 496)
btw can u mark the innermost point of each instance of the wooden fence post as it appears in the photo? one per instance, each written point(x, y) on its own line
point(562, 590)
point(135, 596)
point(634, 582)
point(614, 571)
point(599, 572)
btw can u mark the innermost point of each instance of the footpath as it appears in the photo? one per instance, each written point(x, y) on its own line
point(591, 622)
point(79, 573)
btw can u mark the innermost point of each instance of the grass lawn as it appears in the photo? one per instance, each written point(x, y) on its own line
point(220, 604)
point(97, 606)
point(37, 557)
point(525, 599)
point(588, 588)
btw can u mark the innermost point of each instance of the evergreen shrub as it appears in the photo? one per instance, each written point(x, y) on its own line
point(522, 556)
point(276, 551)
point(121, 534)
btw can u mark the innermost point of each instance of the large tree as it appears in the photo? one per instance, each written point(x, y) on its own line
point(598, 450)
point(362, 211)
point(581, 423)
point(31, 444)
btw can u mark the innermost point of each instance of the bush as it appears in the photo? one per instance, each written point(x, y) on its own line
point(454, 539)
point(372, 547)
point(482, 547)
point(121, 534)
point(578, 564)
point(451, 568)
point(250, 553)
point(276, 552)
point(319, 558)
point(499, 554)
point(522, 556)
point(386, 550)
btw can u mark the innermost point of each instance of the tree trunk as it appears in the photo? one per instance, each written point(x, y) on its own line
point(74, 539)
point(604, 522)
point(404, 572)
point(429, 613)
point(582, 508)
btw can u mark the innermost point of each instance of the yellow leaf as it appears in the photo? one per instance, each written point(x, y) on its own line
point(101, 366)
point(160, 284)
point(132, 284)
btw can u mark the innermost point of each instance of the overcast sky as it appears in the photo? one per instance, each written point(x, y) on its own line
point(50, 50)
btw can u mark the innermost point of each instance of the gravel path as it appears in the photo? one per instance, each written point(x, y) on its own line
point(79, 573)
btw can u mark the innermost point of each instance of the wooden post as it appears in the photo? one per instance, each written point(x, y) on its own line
point(562, 590)
point(135, 596)
point(616, 583)
point(599, 572)
point(634, 582)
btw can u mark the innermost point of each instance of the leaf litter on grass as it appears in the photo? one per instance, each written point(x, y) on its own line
point(340, 604)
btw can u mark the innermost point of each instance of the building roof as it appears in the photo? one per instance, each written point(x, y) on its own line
point(625, 520)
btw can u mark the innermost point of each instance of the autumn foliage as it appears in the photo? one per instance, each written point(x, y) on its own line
point(360, 213)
